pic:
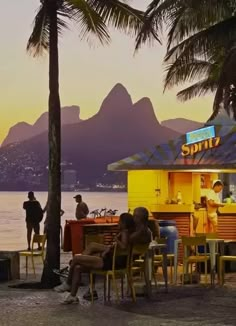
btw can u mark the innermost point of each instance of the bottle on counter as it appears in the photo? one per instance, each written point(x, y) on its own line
point(179, 198)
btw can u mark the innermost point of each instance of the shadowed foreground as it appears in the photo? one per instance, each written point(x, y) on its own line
point(181, 306)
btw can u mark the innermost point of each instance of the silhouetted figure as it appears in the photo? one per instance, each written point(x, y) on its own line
point(34, 215)
point(142, 232)
point(81, 208)
point(46, 219)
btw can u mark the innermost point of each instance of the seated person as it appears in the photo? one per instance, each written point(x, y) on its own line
point(142, 232)
point(97, 256)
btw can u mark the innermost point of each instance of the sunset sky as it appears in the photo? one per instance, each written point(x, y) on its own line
point(86, 74)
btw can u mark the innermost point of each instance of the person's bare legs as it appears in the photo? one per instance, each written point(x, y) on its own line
point(195, 223)
point(29, 234)
point(76, 278)
point(73, 264)
point(87, 262)
point(215, 227)
point(94, 248)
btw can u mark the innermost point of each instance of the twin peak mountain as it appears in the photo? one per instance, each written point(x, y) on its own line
point(117, 114)
point(119, 129)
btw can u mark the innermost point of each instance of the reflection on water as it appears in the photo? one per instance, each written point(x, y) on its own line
point(12, 215)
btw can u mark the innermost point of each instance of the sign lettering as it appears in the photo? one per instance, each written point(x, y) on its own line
point(191, 149)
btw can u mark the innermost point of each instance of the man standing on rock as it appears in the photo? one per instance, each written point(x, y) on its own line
point(81, 208)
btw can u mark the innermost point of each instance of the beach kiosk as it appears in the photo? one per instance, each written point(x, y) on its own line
point(172, 179)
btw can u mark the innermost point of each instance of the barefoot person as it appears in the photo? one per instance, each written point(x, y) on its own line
point(97, 256)
point(34, 215)
point(213, 203)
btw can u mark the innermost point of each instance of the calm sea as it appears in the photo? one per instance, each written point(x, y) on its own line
point(12, 216)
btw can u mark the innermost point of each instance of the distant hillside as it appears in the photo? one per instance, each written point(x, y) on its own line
point(22, 130)
point(118, 130)
point(182, 125)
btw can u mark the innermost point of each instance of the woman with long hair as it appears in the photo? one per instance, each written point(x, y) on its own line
point(97, 256)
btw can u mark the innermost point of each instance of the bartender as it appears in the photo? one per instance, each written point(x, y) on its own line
point(213, 203)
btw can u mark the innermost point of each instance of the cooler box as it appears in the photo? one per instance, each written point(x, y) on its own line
point(169, 230)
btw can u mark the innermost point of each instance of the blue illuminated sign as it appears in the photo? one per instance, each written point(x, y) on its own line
point(200, 134)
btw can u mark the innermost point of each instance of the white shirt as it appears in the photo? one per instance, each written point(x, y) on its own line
point(213, 196)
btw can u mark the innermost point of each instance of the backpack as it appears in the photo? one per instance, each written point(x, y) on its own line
point(38, 213)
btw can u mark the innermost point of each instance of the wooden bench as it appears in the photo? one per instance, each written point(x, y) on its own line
point(222, 260)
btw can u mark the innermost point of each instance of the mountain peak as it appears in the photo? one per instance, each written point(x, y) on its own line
point(118, 99)
point(119, 88)
point(182, 125)
point(145, 103)
point(22, 131)
point(145, 111)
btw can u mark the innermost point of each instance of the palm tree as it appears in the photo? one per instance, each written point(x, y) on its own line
point(206, 72)
point(93, 17)
point(201, 43)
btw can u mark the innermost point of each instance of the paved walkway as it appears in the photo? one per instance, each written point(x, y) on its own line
point(189, 305)
point(182, 306)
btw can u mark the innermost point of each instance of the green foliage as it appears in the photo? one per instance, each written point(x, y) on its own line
point(201, 45)
point(92, 16)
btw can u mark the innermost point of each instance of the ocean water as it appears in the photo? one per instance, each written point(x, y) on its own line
point(12, 215)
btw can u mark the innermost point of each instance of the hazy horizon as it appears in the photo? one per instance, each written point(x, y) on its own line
point(86, 74)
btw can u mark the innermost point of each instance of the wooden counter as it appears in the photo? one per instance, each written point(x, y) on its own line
point(172, 208)
point(228, 209)
point(108, 230)
point(183, 220)
point(184, 217)
point(182, 214)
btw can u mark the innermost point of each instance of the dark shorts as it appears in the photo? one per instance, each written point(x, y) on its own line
point(121, 262)
point(33, 226)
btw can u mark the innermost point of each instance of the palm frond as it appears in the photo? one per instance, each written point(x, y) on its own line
point(160, 9)
point(154, 17)
point(148, 33)
point(39, 39)
point(180, 71)
point(90, 20)
point(228, 73)
point(190, 16)
point(204, 42)
point(153, 5)
point(119, 15)
point(200, 88)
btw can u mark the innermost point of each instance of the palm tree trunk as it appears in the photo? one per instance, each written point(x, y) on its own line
point(49, 279)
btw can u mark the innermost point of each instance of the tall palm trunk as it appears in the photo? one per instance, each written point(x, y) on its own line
point(49, 279)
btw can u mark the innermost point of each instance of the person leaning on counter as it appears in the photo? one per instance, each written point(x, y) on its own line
point(213, 203)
